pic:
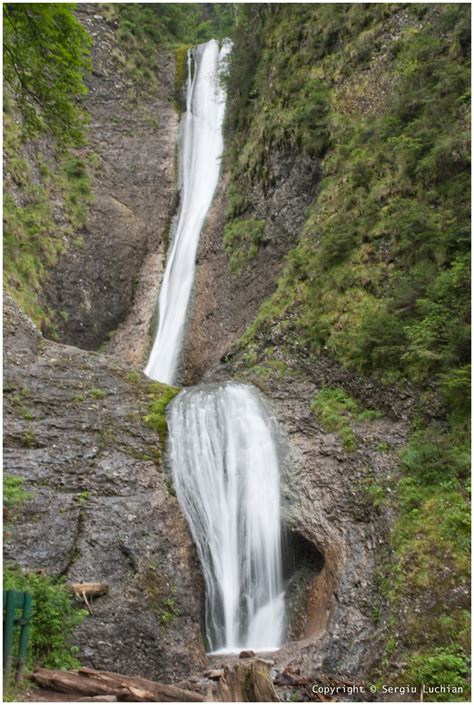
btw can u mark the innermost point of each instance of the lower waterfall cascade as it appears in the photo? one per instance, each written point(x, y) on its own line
point(223, 448)
point(224, 460)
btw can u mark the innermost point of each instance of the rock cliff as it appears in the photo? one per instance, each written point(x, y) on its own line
point(99, 507)
point(115, 276)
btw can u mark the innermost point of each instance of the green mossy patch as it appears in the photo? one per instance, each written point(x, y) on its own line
point(161, 395)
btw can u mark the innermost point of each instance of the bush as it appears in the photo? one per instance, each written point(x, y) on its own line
point(444, 666)
point(54, 619)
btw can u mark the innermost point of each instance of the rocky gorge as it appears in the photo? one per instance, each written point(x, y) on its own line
point(100, 504)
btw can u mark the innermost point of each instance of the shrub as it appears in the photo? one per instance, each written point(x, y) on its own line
point(53, 621)
point(444, 666)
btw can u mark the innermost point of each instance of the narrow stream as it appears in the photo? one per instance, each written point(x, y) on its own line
point(223, 448)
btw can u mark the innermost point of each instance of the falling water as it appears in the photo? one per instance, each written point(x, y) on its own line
point(201, 150)
point(224, 461)
point(222, 443)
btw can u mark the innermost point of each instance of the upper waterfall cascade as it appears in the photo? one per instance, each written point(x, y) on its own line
point(201, 149)
point(224, 459)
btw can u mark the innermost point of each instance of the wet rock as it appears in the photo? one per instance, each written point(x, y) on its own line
point(99, 508)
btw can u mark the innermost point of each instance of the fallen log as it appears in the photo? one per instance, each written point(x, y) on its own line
point(250, 681)
point(87, 681)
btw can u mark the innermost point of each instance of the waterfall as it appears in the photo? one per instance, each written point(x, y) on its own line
point(224, 461)
point(201, 149)
point(223, 451)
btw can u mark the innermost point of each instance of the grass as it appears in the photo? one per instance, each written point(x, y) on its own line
point(33, 239)
point(242, 241)
point(14, 495)
point(336, 410)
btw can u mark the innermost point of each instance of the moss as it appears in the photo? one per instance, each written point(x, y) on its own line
point(181, 74)
point(161, 395)
point(242, 240)
point(337, 410)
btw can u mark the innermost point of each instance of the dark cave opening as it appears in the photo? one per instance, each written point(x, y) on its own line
point(302, 564)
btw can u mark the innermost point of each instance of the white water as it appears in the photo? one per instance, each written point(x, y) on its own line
point(224, 462)
point(202, 145)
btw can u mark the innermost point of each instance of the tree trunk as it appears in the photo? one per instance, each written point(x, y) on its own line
point(248, 682)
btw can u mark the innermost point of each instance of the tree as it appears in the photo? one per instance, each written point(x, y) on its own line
point(46, 55)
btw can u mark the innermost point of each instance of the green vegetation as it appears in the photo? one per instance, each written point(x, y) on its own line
point(160, 594)
point(144, 28)
point(431, 540)
point(45, 57)
point(379, 278)
point(181, 75)
point(395, 190)
point(54, 618)
point(170, 611)
point(242, 240)
point(14, 495)
point(336, 409)
point(55, 615)
point(97, 393)
point(161, 395)
point(443, 666)
point(28, 440)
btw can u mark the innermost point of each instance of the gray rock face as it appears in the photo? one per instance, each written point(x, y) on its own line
point(225, 303)
point(134, 198)
point(100, 508)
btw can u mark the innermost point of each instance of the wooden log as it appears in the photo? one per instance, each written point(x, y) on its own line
point(167, 693)
point(85, 590)
point(87, 681)
point(249, 681)
point(89, 589)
